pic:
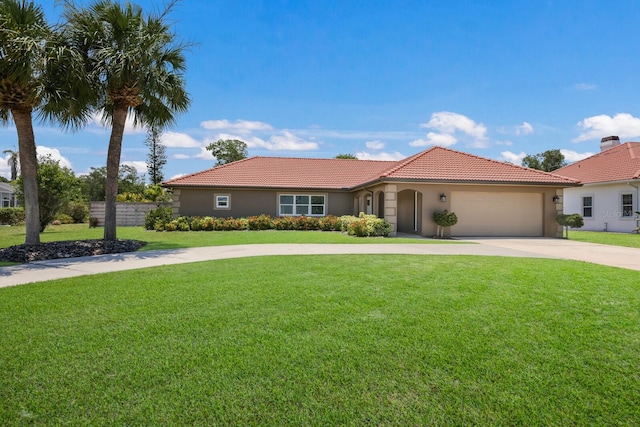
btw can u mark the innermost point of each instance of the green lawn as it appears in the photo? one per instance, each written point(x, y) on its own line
point(618, 239)
point(326, 340)
point(10, 236)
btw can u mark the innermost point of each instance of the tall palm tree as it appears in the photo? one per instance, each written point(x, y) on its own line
point(13, 163)
point(35, 65)
point(136, 67)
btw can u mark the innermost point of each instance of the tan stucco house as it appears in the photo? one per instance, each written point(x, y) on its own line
point(490, 198)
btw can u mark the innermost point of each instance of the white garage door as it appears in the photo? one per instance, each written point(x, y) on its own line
point(497, 214)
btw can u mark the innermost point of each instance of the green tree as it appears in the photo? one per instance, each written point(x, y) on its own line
point(94, 183)
point(136, 67)
point(157, 156)
point(228, 150)
point(13, 163)
point(547, 161)
point(57, 187)
point(346, 156)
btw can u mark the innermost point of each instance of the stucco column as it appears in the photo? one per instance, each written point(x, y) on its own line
point(391, 207)
point(559, 209)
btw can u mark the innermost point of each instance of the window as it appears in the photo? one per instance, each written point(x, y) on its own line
point(301, 204)
point(627, 205)
point(587, 206)
point(223, 201)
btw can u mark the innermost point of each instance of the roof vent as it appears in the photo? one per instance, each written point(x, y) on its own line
point(608, 142)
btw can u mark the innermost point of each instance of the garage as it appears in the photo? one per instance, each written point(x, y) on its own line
point(497, 214)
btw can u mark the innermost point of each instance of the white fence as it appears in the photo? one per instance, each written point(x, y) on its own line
point(127, 214)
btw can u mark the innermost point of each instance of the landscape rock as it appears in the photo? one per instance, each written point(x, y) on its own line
point(67, 249)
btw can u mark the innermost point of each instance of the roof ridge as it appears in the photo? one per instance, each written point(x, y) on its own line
point(508, 164)
point(402, 163)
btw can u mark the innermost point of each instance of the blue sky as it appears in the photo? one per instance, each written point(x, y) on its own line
point(387, 79)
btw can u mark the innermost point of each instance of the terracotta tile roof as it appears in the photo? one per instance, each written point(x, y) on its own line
point(435, 164)
point(618, 163)
point(444, 164)
point(285, 172)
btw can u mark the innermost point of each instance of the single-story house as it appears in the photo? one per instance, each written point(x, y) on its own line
point(490, 198)
point(608, 199)
point(7, 196)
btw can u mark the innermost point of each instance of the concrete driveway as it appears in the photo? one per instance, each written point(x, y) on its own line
point(530, 248)
point(614, 256)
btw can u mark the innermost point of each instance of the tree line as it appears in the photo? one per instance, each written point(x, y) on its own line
point(106, 57)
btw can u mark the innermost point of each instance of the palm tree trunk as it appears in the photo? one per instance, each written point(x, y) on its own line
point(29, 162)
point(113, 168)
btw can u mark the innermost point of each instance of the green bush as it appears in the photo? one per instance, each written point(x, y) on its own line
point(330, 223)
point(345, 220)
point(62, 218)
point(11, 216)
point(262, 222)
point(569, 221)
point(368, 226)
point(284, 223)
point(78, 211)
point(164, 215)
point(444, 219)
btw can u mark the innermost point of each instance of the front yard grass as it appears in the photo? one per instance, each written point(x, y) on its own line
point(630, 240)
point(10, 236)
point(326, 340)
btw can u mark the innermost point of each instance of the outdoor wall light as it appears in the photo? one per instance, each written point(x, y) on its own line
point(556, 199)
point(443, 197)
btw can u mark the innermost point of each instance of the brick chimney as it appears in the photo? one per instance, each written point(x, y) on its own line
point(608, 142)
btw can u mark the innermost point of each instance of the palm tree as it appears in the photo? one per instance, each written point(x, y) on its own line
point(13, 163)
point(34, 66)
point(136, 67)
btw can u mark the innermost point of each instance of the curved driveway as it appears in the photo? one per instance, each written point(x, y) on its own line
point(533, 248)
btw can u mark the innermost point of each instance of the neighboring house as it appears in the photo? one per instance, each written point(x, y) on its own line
point(608, 199)
point(490, 198)
point(7, 196)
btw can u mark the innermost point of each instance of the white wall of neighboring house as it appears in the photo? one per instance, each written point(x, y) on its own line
point(607, 211)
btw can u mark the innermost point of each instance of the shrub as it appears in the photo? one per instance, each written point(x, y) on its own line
point(569, 221)
point(161, 214)
point(306, 223)
point(78, 211)
point(444, 219)
point(284, 223)
point(345, 220)
point(368, 226)
point(11, 216)
point(262, 222)
point(63, 219)
point(330, 223)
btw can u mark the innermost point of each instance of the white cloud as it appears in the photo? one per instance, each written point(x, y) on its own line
point(243, 127)
point(129, 128)
point(572, 156)
point(514, 158)
point(524, 129)
point(180, 175)
point(623, 125)
point(204, 154)
point(585, 86)
point(374, 145)
point(450, 128)
point(179, 139)
point(180, 156)
point(443, 140)
point(140, 166)
point(55, 155)
point(284, 140)
point(362, 155)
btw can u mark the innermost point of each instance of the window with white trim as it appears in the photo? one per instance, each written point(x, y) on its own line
point(301, 204)
point(587, 206)
point(223, 201)
point(627, 205)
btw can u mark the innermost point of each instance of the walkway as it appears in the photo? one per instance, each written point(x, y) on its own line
point(531, 248)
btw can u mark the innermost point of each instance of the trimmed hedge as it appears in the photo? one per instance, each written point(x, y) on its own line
point(364, 226)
